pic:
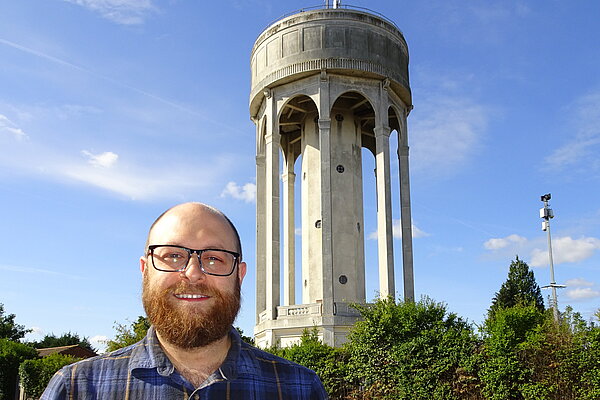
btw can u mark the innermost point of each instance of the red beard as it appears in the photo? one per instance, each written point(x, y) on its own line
point(190, 330)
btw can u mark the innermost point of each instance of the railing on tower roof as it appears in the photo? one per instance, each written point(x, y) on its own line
point(346, 6)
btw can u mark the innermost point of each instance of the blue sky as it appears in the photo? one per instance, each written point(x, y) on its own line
point(113, 110)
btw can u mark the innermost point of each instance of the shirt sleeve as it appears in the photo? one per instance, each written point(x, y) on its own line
point(56, 389)
point(318, 391)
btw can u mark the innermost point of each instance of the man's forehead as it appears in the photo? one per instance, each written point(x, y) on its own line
point(189, 219)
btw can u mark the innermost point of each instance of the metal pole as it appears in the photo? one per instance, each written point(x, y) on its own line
point(546, 214)
point(552, 281)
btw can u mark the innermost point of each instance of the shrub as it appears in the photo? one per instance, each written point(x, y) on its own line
point(11, 355)
point(35, 374)
point(409, 350)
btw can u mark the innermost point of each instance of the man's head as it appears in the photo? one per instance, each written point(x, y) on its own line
point(190, 308)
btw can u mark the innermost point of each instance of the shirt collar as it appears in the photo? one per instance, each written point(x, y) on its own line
point(149, 354)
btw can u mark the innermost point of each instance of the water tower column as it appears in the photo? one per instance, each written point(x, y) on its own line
point(272, 146)
point(405, 212)
point(289, 242)
point(384, 212)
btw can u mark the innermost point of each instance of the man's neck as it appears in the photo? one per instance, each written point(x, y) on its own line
point(199, 363)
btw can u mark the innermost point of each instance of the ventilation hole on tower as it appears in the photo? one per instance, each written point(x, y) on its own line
point(318, 224)
point(343, 279)
point(305, 283)
point(339, 117)
point(339, 168)
point(358, 226)
point(304, 176)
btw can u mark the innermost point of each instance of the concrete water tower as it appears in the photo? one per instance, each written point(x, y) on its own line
point(326, 83)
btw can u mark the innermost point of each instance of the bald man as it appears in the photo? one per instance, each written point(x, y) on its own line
point(192, 272)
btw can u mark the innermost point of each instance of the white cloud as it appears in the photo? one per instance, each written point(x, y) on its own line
point(397, 231)
point(582, 293)
point(445, 131)
point(125, 12)
point(8, 127)
point(566, 249)
point(582, 148)
point(105, 160)
point(36, 333)
point(578, 282)
point(501, 243)
point(246, 192)
point(99, 343)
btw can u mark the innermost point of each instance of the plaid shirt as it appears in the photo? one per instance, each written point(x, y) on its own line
point(143, 371)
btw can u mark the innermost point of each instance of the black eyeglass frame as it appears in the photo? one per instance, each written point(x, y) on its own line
point(198, 252)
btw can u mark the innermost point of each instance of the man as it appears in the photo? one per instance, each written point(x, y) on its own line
point(192, 271)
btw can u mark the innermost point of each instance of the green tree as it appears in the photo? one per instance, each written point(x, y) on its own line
point(578, 357)
point(8, 328)
point(511, 337)
point(128, 335)
point(410, 350)
point(11, 355)
point(520, 287)
point(329, 363)
point(36, 374)
point(66, 339)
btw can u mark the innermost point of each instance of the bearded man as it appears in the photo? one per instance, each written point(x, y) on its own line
point(192, 271)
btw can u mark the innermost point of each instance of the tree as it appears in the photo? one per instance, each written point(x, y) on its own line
point(511, 338)
point(519, 288)
point(8, 328)
point(11, 355)
point(36, 374)
point(329, 363)
point(410, 350)
point(128, 335)
point(66, 339)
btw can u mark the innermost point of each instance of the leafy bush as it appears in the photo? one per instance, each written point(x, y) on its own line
point(326, 361)
point(35, 374)
point(409, 350)
point(510, 335)
point(11, 355)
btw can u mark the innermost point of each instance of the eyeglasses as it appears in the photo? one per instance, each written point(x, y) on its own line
point(171, 258)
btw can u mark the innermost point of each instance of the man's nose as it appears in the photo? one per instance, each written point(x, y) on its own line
point(193, 272)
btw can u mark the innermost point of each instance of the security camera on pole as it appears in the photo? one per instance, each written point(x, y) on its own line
point(546, 214)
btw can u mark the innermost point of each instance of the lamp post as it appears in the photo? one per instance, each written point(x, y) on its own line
point(546, 214)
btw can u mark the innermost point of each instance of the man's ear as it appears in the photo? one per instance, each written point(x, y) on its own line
point(241, 271)
point(143, 264)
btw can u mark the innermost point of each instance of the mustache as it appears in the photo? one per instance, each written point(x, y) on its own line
point(184, 287)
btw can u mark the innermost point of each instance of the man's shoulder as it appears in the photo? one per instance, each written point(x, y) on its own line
point(113, 360)
point(268, 363)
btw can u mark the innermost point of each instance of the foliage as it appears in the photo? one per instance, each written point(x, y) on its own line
point(510, 335)
point(579, 356)
point(128, 335)
point(329, 363)
point(66, 339)
point(244, 338)
point(520, 287)
point(35, 374)
point(11, 355)
point(410, 350)
point(8, 328)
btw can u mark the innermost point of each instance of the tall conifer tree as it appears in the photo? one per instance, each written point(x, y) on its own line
point(519, 288)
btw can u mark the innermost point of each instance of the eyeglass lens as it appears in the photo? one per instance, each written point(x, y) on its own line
point(170, 258)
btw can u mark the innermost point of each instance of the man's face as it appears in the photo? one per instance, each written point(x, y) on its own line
point(191, 309)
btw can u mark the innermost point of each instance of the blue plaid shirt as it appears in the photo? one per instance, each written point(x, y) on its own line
point(143, 371)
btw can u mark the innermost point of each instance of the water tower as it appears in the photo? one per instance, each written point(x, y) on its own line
point(326, 83)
